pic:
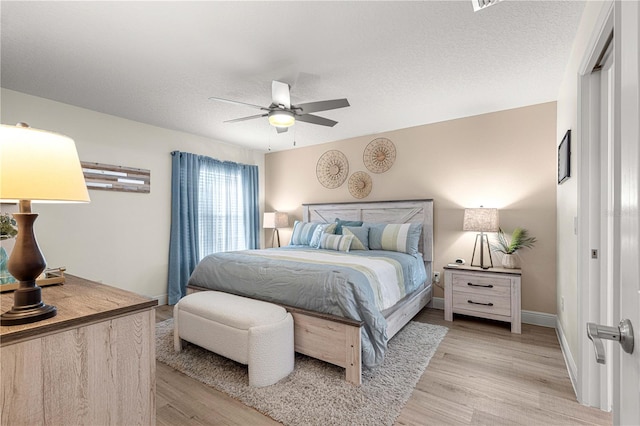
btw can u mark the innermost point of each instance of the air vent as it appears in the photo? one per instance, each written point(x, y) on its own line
point(481, 4)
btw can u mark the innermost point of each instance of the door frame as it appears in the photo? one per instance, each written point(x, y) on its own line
point(607, 388)
point(592, 387)
point(626, 389)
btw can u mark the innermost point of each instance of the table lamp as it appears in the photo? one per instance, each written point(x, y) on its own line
point(35, 166)
point(275, 220)
point(481, 220)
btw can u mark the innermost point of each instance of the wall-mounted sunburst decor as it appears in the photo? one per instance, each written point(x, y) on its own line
point(332, 169)
point(379, 155)
point(360, 184)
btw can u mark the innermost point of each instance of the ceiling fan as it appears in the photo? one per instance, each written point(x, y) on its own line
point(282, 114)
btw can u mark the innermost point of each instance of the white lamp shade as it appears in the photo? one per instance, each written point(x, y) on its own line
point(481, 220)
point(275, 220)
point(38, 165)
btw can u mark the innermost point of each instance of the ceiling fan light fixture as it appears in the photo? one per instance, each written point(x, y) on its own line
point(281, 118)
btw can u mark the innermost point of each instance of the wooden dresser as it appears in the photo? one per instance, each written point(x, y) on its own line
point(92, 364)
point(486, 293)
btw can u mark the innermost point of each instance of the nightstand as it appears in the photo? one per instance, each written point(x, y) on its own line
point(486, 293)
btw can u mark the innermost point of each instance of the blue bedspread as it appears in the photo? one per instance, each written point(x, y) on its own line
point(356, 285)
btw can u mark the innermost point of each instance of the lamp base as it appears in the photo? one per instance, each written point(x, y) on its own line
point(484, 239)
point(28, 307)
point(275, 237)
point(17, 316)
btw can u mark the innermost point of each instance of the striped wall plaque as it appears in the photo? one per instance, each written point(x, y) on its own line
point(116, 178)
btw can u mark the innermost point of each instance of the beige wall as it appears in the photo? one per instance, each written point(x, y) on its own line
point(119, 238)
point(505, 159)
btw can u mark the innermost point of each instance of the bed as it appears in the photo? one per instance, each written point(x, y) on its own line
point(340, 327)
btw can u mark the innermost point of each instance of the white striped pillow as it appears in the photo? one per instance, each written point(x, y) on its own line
point(336, 242)
point(329, 228)
point(403, 238)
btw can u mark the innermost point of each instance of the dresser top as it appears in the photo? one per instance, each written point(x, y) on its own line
point(468, 268)
point(79, 302)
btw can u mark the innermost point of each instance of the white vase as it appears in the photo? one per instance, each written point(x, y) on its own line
point(510, 261)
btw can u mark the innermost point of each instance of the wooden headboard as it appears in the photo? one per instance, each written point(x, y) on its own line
point(407, 211)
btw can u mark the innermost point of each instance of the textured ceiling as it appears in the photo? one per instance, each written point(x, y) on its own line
point(400, 64)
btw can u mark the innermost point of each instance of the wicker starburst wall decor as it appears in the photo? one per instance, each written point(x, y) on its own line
point(360, 184)
point(379, 155)
point(332, 169)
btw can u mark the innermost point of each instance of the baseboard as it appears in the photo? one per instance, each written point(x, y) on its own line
point(539, 318)
point(528, 317)
point(436, 303)
point(572, 368)
point(162, 299)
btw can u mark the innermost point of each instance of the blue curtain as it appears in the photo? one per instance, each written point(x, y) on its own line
point(252, 209)
point(214, 207)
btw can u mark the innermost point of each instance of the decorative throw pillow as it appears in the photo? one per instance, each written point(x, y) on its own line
point(302, 233)
point(328, 228)
point(403, 238)
point(340, 223)
point(360, 236)
point(336, 242)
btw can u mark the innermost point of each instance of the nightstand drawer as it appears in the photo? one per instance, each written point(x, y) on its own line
point(482, 285)
point(488, 304)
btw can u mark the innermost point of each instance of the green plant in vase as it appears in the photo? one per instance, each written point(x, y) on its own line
point(7, 230)
point(509, 246)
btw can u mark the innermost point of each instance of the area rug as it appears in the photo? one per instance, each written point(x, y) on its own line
point(316, 392)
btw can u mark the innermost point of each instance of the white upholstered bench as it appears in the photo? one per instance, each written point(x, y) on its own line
point(251, 332)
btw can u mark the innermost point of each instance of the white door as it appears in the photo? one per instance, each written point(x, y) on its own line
point(610, 253)
point(626, 375)
point(612, 130)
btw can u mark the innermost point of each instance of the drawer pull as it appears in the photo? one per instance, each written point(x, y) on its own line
point(480, 285)
point(478, 303)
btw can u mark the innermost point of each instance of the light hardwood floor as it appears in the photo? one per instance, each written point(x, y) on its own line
point(480, 374)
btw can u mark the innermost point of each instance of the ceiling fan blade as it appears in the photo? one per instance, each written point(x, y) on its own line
point(320, 106)
point(280, 94)
point(314, 119)
point(281, 129)
point(213, 98)
point(251, 117)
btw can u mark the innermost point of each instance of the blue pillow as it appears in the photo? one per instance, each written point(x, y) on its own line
point(403, 238)
point(360, 236)
point(302, 233)
point(341, 223)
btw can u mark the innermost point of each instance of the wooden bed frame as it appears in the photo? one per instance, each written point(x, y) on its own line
point(335, 339)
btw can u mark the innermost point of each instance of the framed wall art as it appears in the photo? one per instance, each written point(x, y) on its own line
point(107, 177)
point(564, 158)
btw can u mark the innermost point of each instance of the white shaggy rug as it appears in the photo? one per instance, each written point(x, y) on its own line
point(316, 393)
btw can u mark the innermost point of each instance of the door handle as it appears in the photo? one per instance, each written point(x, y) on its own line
point(623, 334)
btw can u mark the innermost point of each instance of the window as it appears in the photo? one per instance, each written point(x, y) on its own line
point(221, 207)
point(214, 207)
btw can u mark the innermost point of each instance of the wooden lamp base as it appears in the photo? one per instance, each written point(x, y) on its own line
point(26, 264)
